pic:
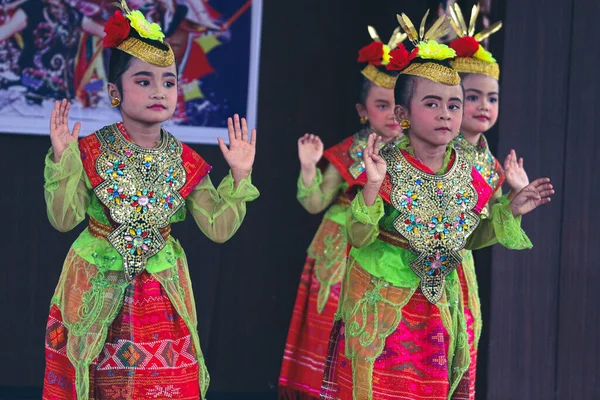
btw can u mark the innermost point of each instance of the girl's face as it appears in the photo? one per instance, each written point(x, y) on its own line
point(379, 109)
point(435, 112)
point(149, 92)
point(481, 103)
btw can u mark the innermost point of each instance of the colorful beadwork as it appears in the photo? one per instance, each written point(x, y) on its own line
point(480, 156)
point(136, 181)
point(436, 216)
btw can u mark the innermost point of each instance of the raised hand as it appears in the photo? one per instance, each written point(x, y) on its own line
point(240, 153)
point(310, 150)
point(532, 196)
point(375, 167)
point(514, 173)
point(60, 135)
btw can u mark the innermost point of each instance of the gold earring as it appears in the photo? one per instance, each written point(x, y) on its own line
point(405, 124)
point(115, 102)
point(363, 120)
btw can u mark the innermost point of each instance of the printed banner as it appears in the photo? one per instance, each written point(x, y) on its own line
point(52, 49)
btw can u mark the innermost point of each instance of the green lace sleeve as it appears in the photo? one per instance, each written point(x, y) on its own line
point(65, 190)
point(219, 213)
point(362, 223)
point(322, 190)
point(501, 227)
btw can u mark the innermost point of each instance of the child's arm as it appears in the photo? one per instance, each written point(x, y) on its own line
point(321, 192)
point(65, 190)
point(219, 213)
point(504, 223)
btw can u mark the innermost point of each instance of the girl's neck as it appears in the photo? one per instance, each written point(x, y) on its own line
point(430, 155)
point(143, 134)
point(471, 137)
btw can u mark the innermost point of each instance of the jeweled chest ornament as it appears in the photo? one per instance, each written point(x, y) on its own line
point(141, 191)
point(436, 216)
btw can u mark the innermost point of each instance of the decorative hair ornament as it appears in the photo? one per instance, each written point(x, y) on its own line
point(379, 54)
point(471, 57)
point(426, 48)
point(118, 35)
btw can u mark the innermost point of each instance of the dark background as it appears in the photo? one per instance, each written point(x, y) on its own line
point(541, 325)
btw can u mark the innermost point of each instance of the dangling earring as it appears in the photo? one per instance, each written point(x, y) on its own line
point(115, 102)
point(405, 124)
point(364, 120)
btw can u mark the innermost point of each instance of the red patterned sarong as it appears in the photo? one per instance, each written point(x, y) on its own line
point(308, 338)
point(148, 352)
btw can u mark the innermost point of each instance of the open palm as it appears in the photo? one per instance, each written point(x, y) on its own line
point(60, 135)
point(310, 149)
point(514, 173)
point(241, 151)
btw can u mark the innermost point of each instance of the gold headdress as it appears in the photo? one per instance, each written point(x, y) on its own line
point(118, 35)
point(471, 57)
point(379, 54)
point(426, 48)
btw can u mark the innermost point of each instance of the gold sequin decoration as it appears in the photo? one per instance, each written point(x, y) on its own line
point(436, 216)
point(378, 77)
point(471, 65)
point(146, 182)
point(434, 72)
point(148, 53)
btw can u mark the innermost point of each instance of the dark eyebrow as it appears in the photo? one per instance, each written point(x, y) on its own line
point(143, 73)
point(169, 75)
point(432, 97)
point(381, 100)
point(479, 91)
point(455, 99)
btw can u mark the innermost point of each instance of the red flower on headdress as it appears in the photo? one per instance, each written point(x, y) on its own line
point(464, 46)
point(117, 30)
point(400, 58)
point(372, 53)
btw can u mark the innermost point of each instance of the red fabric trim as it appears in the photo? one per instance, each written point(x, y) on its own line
point(338, 157)
point(195, 166)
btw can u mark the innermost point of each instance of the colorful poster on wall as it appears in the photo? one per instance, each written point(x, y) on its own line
point(52, 49)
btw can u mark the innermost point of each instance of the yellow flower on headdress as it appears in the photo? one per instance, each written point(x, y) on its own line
point(144, 28)
point(484, 55)
point(385, 59)
point(432, 50)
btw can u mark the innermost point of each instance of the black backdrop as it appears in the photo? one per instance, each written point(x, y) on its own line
point(245, 288)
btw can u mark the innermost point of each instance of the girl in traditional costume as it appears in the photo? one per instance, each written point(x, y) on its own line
point(123, 321)
point(402, 331)
point(479, 73)
point(321, 185)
